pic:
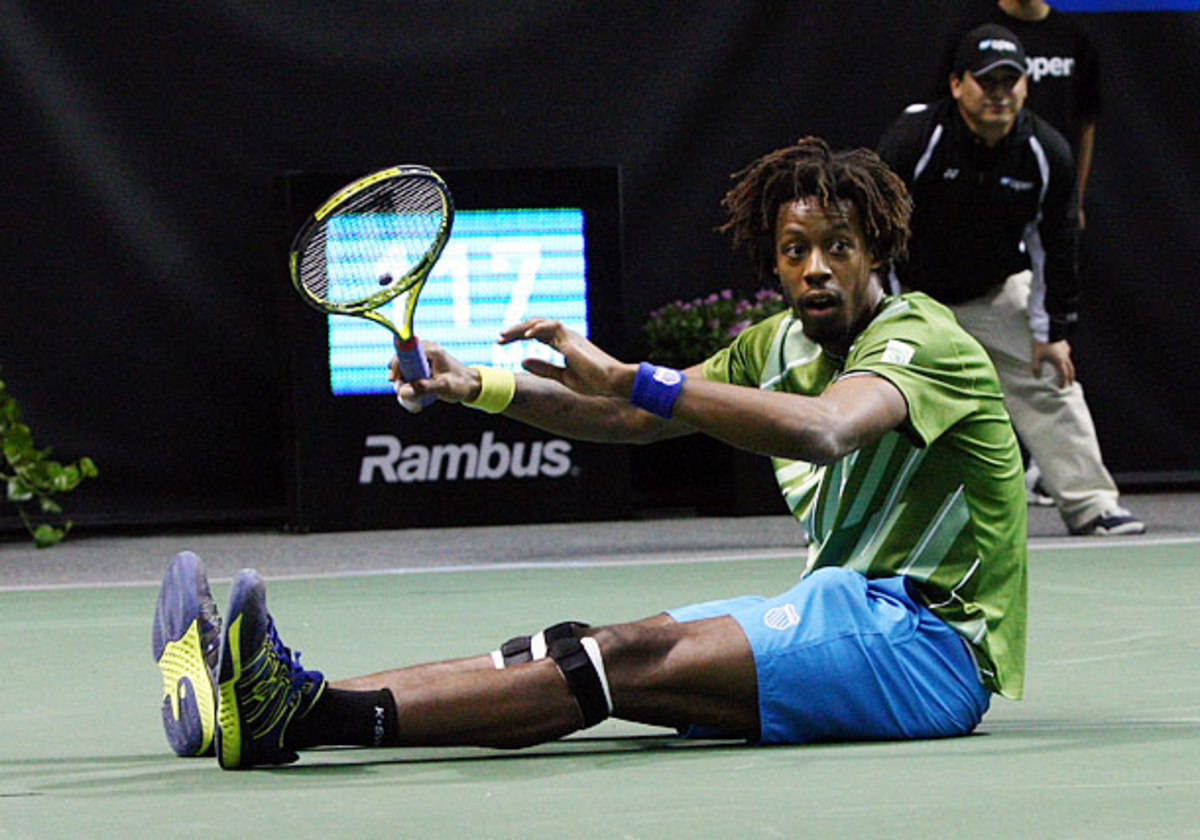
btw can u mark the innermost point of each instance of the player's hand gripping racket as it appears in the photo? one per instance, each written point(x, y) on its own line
point(373, 240)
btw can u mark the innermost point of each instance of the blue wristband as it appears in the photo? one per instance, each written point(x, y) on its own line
point(656, 388)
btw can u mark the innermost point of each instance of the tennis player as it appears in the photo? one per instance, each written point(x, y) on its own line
point(890, 441)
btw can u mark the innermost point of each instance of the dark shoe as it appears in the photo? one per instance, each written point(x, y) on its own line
point(262, 686)
point(1111, 523)
point(186, 643)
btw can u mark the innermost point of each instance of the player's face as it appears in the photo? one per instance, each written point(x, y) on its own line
point(826, 271)
point(990, 103)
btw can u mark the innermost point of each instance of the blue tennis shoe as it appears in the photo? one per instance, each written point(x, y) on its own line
point(262, 687)
point(186, 645)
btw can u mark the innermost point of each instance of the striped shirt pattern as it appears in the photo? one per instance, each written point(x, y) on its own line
point(939, 500)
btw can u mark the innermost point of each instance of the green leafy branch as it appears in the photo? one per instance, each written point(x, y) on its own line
point(32, 479)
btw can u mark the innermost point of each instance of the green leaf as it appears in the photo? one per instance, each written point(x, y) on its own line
point(48, 505)
point(18, 444)
point(45, 536)
point(34, 477)
point(18, 490)
point(19, 435)
point(64, 478)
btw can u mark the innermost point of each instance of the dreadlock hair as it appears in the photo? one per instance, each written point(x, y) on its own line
point(810, 169)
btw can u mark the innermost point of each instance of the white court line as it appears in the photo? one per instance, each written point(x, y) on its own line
point(1062, 543)
point(1041, 544)
point(600, 561)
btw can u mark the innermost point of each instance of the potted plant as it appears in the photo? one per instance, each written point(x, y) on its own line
point(696, 472)
point(31, 479)
point(683, 333)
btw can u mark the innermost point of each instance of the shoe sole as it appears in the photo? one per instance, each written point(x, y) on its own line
point(189, 698)
point(1125, 529)
point(230, 734)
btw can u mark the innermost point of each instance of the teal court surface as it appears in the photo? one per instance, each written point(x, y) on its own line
point(1106, 743)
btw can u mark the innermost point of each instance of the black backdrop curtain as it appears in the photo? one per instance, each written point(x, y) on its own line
point(140, 319)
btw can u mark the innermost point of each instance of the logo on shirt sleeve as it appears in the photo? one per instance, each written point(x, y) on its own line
point(897, 352)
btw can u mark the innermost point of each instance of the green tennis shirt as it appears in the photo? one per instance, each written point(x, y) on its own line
point(940, 499)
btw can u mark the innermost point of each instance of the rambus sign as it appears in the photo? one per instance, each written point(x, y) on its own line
point(389, 460)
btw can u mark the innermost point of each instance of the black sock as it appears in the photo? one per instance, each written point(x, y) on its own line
point(346, 718)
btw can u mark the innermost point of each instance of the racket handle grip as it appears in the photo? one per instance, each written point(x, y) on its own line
point(413, 365)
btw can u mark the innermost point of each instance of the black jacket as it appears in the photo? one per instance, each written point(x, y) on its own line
point(981, 214)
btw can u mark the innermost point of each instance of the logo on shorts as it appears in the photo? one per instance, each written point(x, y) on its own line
point(781, 618)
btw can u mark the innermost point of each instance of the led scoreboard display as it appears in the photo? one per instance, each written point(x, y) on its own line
point(500, 267)
point(525, 243)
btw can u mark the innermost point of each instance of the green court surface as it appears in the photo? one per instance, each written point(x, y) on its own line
point(1106, 744)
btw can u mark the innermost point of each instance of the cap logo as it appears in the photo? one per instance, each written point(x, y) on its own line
point(997, 44)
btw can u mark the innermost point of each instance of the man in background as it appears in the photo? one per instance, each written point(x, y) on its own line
point(1063, 77)
point(994, 233)
point(1062, 70)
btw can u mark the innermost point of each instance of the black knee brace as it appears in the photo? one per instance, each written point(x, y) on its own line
point(578, 659)
point(520, 649)
point(582, 667)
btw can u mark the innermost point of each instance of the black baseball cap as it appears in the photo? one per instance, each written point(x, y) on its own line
point(987, 47)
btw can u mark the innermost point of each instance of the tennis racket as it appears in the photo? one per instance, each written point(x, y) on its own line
point(371, 242)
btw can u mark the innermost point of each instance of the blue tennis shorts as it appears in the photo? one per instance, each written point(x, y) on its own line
point(843, 658)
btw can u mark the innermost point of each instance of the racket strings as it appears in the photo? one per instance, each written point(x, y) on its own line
point(373, 244)
point(311, 265)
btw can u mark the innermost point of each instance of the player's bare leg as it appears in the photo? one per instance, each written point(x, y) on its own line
point(659, 672)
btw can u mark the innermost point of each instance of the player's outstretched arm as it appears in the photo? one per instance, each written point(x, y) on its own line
point(848, 415)
point(541, 400)
point(587, 398)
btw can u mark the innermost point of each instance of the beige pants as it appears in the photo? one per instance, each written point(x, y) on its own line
point(1054, 423)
